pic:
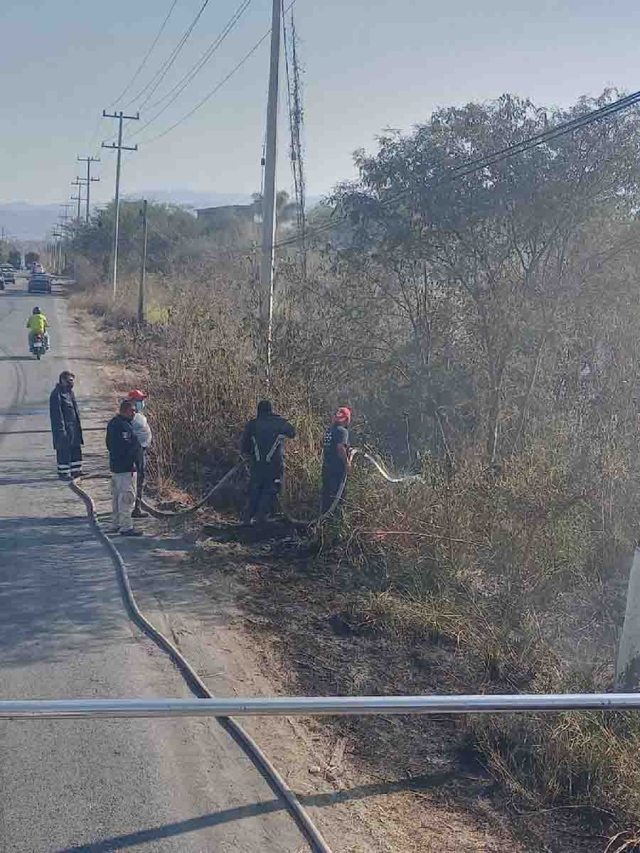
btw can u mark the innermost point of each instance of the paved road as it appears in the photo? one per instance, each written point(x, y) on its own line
point(84, 786)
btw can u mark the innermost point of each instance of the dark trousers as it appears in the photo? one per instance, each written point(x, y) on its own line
point(69, 461)
point(264, 488)
point(331, 481)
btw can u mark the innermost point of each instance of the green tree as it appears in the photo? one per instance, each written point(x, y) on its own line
point(474, 278)
point(170, 228)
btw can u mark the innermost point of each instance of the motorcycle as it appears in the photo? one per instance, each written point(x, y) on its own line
point(38, 347)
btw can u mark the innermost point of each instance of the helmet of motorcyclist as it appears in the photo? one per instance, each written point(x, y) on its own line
point(36, 310)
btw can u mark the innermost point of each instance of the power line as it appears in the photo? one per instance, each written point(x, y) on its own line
point(146, 56)
point(480, 163)
point(217, 88)
point(195, 70)
point(157, 79)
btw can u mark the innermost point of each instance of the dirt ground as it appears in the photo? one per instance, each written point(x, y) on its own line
point(262, 617)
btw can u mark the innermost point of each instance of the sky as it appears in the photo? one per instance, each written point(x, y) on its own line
point(367, 66)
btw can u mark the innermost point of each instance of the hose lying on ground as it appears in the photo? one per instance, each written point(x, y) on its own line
point(200, 689)
point(161, 513)
point(167, 514)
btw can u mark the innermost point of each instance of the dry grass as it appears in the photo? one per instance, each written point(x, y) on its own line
point(471, 582)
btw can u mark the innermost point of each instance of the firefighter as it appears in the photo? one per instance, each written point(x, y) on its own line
point(66, 427)
point(263, 444)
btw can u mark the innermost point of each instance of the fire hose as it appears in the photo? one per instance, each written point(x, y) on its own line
point(200, 689)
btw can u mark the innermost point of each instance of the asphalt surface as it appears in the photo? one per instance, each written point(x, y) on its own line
point(83, 785)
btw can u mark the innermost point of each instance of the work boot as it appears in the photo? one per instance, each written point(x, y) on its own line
point(132, 532)
point(138, 513)
point(66, 478)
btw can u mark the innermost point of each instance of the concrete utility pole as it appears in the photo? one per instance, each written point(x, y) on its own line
point(120, 116)
point(628, 662)
point(77, 183)
point(89, 180)
point(269, 197)
point(143, 267)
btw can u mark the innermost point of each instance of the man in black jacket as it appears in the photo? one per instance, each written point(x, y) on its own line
point(263, 443)
point(124, 458)
point(66, 428)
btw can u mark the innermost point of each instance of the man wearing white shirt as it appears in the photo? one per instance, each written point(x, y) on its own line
point(142, 432)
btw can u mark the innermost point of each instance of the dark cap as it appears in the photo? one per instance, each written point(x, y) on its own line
point(265, 408)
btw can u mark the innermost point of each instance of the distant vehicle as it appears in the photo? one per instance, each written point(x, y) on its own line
point(39, 283)
point(7, 272)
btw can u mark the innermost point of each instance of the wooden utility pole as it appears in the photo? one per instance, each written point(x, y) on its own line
point(143, 266)
point(119, 147)
point(88, 180)
point(77, 183)
point(63, 227)
point(269, 196)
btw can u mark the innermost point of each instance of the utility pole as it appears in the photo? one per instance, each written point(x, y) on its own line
point(64, 214)
point(57, 250)
point(77, 183)
point(143, 267)
point(120, 116)
point(89, 180)
point(628, 657)
point(269, 196)
point(63, 226)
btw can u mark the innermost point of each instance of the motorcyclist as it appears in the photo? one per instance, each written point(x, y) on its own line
point(37, 325)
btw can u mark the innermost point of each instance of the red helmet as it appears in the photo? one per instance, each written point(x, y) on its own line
point(137, 394)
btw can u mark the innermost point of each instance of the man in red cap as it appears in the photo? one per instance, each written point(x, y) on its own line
point(142, 432)
point(336, 461)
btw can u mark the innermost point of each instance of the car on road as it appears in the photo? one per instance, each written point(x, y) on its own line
point(7, 272)
point(39, 282)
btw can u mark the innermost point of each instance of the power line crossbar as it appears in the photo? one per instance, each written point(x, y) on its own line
point(317, 706)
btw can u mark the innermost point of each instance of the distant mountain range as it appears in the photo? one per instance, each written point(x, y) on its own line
point(28, 222)
point(22, 221)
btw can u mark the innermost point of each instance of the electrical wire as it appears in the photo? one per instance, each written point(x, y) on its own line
point(146, 56)
point(480, 163)
point(155, 81)
point(195, 70)
point(217, 88)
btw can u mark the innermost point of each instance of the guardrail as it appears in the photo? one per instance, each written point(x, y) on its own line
point(317, 706)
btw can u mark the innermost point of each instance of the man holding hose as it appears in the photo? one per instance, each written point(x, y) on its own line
point(263, 445)
point(336, 461)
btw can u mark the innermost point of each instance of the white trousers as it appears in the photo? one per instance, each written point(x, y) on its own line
point(124, 498)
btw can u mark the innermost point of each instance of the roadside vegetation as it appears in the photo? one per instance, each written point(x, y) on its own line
point(486, 330)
